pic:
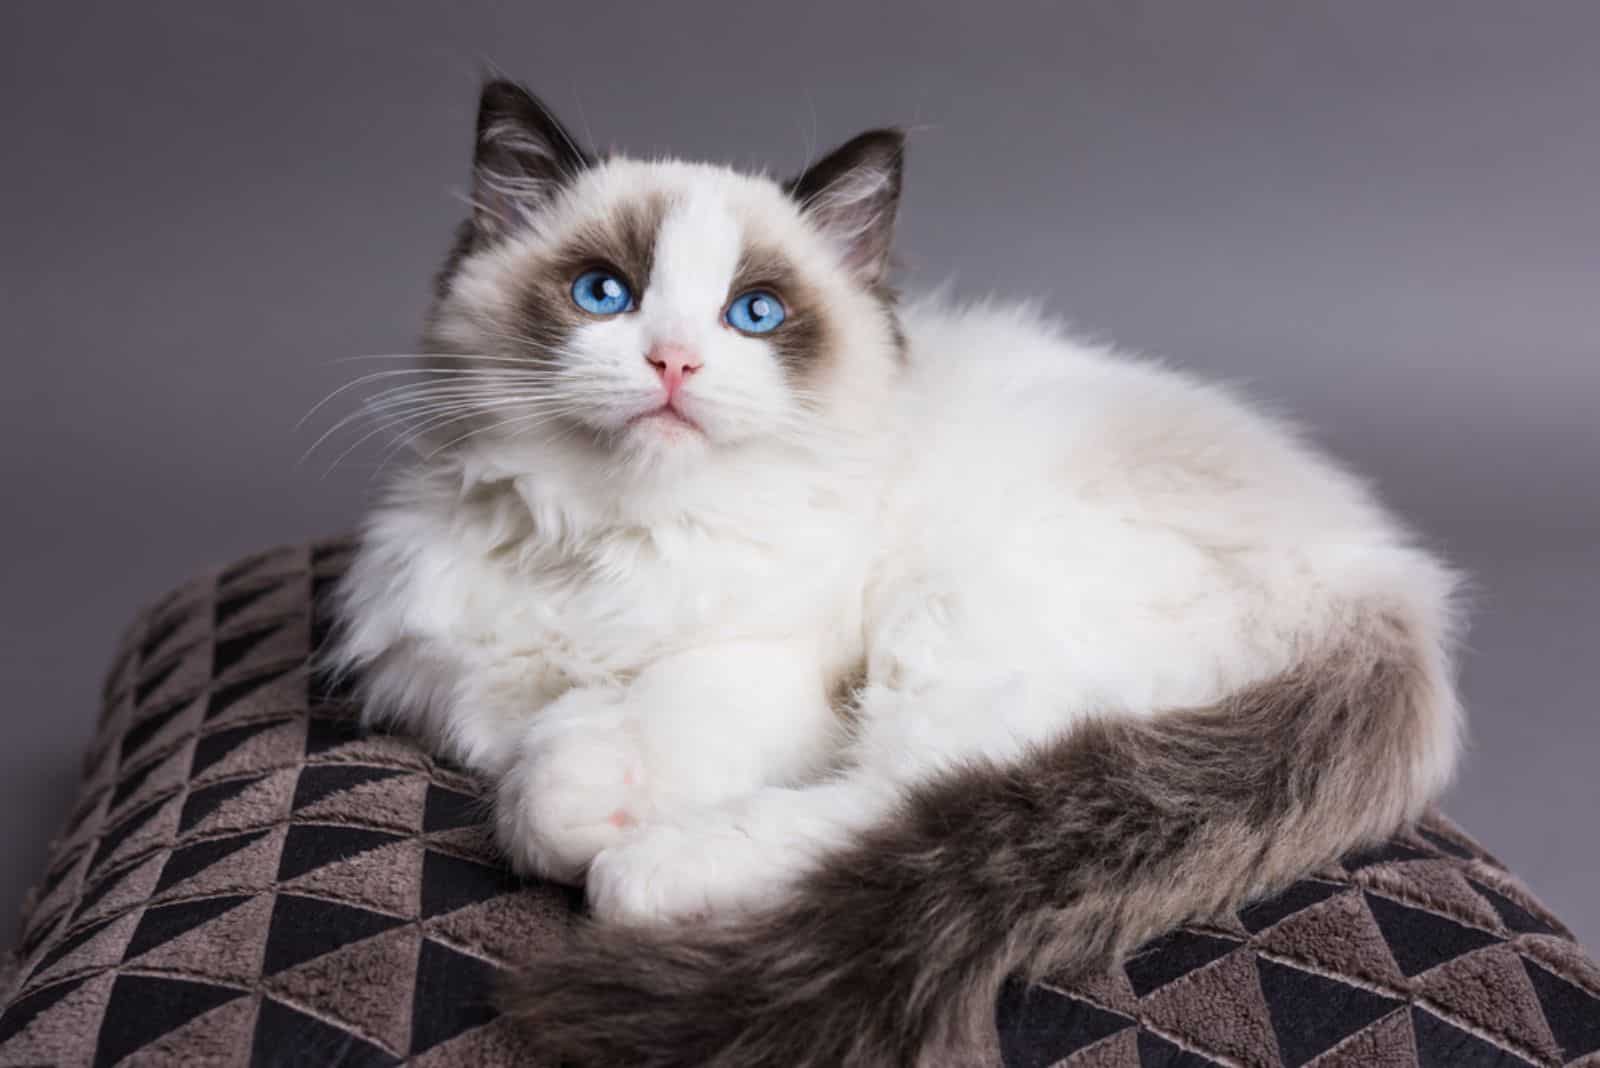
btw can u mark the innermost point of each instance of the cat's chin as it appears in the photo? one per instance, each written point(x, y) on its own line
point(666, 423)
point(663, 436)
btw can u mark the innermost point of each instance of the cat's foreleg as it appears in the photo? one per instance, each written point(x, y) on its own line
point(747, 852)
point(937, 702)
point(693, 729)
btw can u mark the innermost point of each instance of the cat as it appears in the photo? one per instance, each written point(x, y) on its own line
point(854, 654)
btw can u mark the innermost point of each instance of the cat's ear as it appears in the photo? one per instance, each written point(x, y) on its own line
point(522, 157)
point(851, 195)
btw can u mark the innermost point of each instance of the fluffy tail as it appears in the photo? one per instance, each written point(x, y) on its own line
point(893, 952)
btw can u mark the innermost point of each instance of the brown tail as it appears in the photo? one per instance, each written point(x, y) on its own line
point(893, 952)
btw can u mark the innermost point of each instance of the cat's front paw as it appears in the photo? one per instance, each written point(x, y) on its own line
point(705, 868)
point(577, 787)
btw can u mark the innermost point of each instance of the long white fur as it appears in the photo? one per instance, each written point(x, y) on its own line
point(1012, 531)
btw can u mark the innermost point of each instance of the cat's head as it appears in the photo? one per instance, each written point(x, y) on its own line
point(661, 313)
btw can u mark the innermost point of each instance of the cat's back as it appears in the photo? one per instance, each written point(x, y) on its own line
point(1078, 498)
point(1007, 402)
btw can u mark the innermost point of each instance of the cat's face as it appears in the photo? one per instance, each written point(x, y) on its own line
point(651, 313)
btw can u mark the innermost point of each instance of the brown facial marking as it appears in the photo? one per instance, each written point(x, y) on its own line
point(623, 240)
point(802, 343)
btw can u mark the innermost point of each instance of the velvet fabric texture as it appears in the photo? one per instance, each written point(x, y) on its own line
point(249, 879)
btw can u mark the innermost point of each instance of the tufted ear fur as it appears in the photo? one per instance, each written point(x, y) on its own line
point(522, 157)
point(852, 195)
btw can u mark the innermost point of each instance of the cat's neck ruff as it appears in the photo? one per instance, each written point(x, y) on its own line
point(750, 494)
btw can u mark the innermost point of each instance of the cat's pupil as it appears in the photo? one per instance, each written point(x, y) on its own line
point(760, 308)
point(607, 288)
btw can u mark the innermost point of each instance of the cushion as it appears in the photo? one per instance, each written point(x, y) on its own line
point(249, 878)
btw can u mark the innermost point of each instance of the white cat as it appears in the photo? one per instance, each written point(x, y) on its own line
point(856, 656)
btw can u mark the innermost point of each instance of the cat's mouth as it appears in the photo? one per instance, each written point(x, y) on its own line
point(666, 418)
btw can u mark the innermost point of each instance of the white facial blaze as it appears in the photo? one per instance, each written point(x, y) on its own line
point(697, 250)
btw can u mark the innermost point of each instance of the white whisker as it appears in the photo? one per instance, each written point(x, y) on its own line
point(413, 371)
point(473, 356)
point(401, 408)
point(356, 416)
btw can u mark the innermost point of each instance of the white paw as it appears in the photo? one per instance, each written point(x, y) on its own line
point(666, 874)
point(578, 786)
point(707, 867)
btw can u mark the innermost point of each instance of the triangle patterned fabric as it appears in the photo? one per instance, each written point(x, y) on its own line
point(249, 878)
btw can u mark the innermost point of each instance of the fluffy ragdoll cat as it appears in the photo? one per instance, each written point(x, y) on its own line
point(855, 656)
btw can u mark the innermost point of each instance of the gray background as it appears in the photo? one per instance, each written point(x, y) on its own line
point(1381, 216)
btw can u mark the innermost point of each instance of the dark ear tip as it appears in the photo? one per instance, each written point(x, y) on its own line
point(887, 135)
point(502, 94)
point(884, 141)
point(884, 148)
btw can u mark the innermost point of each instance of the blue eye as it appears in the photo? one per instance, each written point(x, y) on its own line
point(756, 312)
point(601, 292)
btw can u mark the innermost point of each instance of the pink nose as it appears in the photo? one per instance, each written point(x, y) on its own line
point(673, 363)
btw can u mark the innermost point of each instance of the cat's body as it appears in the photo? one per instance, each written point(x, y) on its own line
point(889, 651)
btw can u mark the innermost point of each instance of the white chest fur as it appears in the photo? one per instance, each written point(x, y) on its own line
point(474, 576)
